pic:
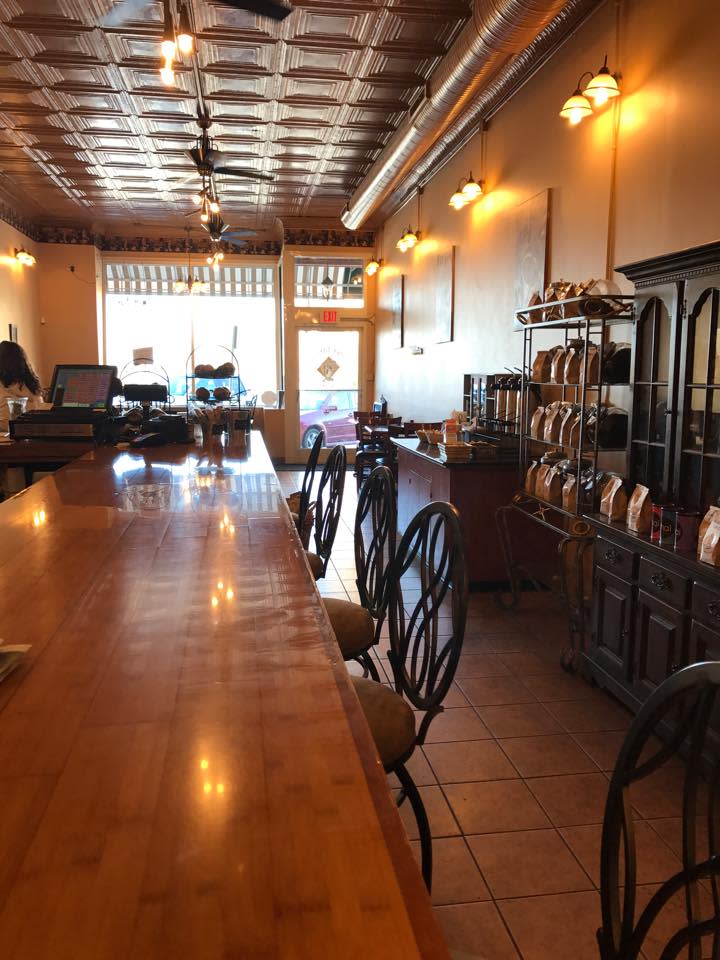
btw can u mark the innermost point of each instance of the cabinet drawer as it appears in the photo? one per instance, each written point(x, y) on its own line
point(706, 605)
point(661, 582)
point(618, 560)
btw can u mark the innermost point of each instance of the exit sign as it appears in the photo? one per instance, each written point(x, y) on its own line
point(329, 316)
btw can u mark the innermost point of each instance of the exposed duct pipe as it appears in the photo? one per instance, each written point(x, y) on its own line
point(501, 44)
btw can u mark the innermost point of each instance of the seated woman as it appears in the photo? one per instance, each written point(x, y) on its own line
point(17, 379)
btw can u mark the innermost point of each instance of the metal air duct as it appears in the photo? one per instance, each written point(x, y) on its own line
point(504, 41)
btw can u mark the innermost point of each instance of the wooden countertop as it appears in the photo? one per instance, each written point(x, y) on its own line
point(432, 454)
point(185, 771)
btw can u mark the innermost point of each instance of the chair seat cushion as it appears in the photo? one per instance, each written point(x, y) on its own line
point(389, 717)
point(353, 626)
point(316, 564)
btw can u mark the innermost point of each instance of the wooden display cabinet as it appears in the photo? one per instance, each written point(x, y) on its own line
point(655, 609)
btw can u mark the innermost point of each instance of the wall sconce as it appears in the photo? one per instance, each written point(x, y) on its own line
point(408, 240)
point(372, 267)
point(468, 190)
point(25, 258)
point(600, 88)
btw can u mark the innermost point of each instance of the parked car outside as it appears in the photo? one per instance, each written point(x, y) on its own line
point(328, 413)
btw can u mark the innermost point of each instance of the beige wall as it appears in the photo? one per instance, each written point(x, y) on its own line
point(68, 304)
point(19, 293)
point(666, 198)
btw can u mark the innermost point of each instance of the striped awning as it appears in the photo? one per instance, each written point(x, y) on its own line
point(334, 279)
point(149, 279)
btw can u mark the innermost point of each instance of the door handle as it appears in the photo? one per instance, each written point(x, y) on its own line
point(612, 556)
point(713, 608)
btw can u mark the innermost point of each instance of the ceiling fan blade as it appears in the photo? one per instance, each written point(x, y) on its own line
point(195, 155)
point(246, 174)
point(226, 234)
point(213, 156)
point(123, 11)
point(275, 9)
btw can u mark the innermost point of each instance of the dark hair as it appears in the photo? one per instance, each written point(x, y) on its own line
point(15, 367)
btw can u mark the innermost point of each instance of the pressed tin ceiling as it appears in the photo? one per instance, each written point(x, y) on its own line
point(90, 137)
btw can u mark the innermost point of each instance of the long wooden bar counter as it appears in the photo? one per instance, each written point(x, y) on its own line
point(185, 771)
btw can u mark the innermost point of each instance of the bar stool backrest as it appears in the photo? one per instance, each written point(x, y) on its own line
point(426, 579)
point(375, 536)
point(329, 503)
point(681, 708)
point(309, 478)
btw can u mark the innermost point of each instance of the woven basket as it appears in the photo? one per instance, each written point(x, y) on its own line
point(293, 502)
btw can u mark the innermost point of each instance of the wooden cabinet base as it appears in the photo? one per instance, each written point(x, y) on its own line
point(476, 489)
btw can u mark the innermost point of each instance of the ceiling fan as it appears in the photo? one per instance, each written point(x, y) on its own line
point(274, 9)
point(221, 231)
point(208, 160)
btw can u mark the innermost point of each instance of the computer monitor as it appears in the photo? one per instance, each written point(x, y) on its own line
point(82, 386)
point(377, 407)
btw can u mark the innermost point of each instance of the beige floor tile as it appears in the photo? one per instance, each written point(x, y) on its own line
point(475, 931)
point(531, 664)
point(590, 716)
point(655, 860)
point(440, 816)
point(557, 687)
point(455, 877)
point(518, 720)
point(547, 756)
point(458, 723)
point(527, 863)
point(557, 927)
point(603, 747)
point(469, 760)
point(572, 800)
point(480, 665)
point(495, 806)
point(491, 691)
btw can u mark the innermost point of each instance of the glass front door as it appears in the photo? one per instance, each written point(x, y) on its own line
point(328, 385)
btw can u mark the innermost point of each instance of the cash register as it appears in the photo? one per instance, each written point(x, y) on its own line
point(81, 396)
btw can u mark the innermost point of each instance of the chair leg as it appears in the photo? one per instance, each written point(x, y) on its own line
point(413, 794)
point(366, 662)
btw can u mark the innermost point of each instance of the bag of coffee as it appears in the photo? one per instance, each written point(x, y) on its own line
point(542, 472)
point(573, 363)
point(553, 416)
point(569, 494)
point(568, 415)
point(639, 511)
point(712, 514)
point(557, 367)
point(593, 370)
point(530, 477)
point(552, 488)
point(710, 548)
point(537, 424)
point(614, 501)
point(540, 372)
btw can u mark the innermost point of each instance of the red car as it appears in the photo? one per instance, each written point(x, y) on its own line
point(329, 413)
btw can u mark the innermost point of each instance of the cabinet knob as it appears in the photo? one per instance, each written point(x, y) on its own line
point(612, 556)
point(713, 608)
point(660, 581)
point(674, 667)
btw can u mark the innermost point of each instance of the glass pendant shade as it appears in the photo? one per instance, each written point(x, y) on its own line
point(457, 200)
point(372, 267)
point(602, 87)
point(472, 189)
point(576, 108)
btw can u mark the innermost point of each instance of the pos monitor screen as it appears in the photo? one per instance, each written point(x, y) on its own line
point(82, 387)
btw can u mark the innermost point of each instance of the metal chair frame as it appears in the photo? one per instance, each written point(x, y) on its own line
point(374, 556)
point(680, 708)
point(308, 480)
point(329, 503)
point(424, 664)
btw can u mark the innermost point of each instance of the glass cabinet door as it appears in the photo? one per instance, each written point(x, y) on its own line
point(698, 483)
point(654, 380)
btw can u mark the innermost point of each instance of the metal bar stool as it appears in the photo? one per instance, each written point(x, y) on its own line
point(357, 625)
point(423, 662)
point(684, 709)
point(327, 510)
point(306, 489)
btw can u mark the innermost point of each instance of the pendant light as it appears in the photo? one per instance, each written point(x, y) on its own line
point(185, 38)
point(603, 86)
point(168, 46)
point(372, 267)
point(468, 190)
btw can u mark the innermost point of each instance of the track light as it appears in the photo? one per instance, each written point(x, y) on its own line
point(372, 267)
point(185, 39)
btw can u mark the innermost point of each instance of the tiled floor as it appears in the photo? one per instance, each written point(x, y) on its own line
point(514, 777)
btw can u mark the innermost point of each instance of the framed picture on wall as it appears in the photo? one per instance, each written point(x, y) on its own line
point(12, 333)
point(531, 248)
point(397, 310)
point(445, 296)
